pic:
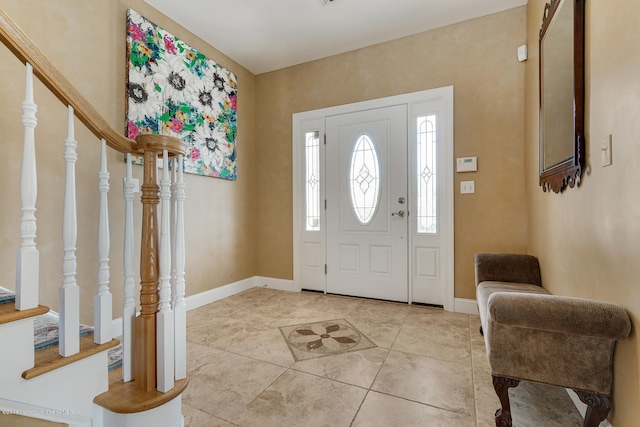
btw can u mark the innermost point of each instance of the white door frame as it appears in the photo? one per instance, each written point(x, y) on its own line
point(308, 120)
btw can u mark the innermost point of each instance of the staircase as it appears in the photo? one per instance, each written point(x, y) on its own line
point(26, 373)
point(74, 379)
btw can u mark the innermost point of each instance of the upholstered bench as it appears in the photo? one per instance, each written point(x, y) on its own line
point(531, 335)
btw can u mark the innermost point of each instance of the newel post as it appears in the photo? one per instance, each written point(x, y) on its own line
point(145, 356)
point(145, 326)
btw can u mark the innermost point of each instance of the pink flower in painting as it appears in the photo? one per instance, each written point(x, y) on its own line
point(234, 102)
point(195, 153)
point(169, 45)
point(136, 32)
point(132, 130)
point(176, 126)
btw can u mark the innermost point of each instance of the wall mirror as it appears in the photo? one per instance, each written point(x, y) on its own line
point(562, 94)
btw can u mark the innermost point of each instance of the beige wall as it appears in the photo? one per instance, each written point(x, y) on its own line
point(478, 58)
point(587, 237)
point(86, 40)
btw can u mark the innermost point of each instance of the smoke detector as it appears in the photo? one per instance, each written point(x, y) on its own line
point(326, 2)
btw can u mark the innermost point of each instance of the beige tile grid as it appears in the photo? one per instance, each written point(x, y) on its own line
point(425, 367)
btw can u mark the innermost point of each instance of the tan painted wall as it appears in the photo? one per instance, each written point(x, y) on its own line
point(478, 58)
point(587, 238)
point(86, 41)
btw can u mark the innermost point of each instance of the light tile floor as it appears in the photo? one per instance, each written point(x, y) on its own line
point(428, 368)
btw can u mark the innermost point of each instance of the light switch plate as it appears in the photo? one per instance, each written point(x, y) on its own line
point(467, 187)
point(606, 150)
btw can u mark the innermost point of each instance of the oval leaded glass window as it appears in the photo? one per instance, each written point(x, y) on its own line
point(364, 179)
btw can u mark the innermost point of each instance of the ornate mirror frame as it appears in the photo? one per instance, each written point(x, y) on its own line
point(561, 160)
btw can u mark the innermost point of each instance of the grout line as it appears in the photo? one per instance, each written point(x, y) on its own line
point(470, 342)
point(473, 373)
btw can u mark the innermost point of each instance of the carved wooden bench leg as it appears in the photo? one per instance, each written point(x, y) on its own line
point(598, 407)
point(502, 385)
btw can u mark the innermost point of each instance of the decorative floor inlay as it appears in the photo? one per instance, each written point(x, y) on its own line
point(325, 338)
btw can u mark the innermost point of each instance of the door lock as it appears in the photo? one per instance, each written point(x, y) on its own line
point(401, 214)
point(401, 200)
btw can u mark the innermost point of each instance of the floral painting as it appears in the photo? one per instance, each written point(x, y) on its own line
point(173, 89)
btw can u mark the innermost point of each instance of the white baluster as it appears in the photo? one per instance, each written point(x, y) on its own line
point(174, 163)
point(69, 294)
point(102, 301)
point(28, 257)
point(179, 305)
point(129, 312)
point(164, 318)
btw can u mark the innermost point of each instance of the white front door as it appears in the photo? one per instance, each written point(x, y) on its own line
point(366, 193)
point(348, 236)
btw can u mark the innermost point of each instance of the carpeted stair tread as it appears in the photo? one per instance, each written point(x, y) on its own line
point(48, 359)
point(46, 331)
point(46, 334)
point(6, 296)
point(46, 328)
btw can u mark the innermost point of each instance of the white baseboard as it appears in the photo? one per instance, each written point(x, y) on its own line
point(280, 284)
point(116, 327)
point(582, 407)
point(461, 305)
point(207, 297)
point(212, 295)
point(466, 306)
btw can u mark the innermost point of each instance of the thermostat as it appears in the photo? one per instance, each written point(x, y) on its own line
point(466, 164)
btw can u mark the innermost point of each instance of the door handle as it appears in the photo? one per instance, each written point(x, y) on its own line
point(401, 214)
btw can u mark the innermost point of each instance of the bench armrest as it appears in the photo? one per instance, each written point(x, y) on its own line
point(555, 313)
point(518, 268)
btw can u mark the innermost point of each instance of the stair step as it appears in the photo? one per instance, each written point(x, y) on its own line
point(8, 312)
point(46, 331)
point(46, 328)
point(49, 359)
point(127, 398)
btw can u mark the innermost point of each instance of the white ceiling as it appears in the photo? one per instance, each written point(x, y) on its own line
point(266, 35)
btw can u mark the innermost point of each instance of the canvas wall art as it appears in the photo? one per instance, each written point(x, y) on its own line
point(173, 89)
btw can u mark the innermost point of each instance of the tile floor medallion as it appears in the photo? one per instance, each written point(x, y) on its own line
point(325, 338)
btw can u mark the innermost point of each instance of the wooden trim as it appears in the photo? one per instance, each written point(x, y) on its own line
point(127, 398)
point(158, 143)
point(48, 359)
point(26, 51)
point(8, 312)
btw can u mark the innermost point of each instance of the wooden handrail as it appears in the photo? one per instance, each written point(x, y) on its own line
point(26, 51)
